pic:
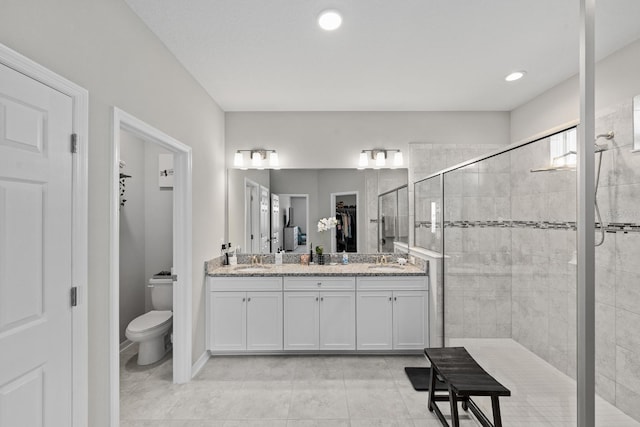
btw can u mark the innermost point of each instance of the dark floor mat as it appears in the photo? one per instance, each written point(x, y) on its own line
point(419, 378)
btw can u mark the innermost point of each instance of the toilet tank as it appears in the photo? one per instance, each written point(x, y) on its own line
point(161, 293)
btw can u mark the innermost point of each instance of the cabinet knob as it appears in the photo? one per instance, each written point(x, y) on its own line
point(389, 298)
point(316, 298)
point(395, 299)
point(248, 299)
point(319, 283)
point(321, 298)
point(244, 299)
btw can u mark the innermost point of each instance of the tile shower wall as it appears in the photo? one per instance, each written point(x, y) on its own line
point(426, 159)
point(543, 281)
point(478, 250)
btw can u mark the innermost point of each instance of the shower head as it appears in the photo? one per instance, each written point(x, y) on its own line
point(603, 147)
point(609, 135)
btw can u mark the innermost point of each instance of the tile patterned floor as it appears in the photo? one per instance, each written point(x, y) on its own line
point(337, 391)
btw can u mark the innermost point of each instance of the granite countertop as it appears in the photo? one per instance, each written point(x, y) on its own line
point(353, 269)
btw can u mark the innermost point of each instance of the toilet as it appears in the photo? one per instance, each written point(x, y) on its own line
point(152, 330)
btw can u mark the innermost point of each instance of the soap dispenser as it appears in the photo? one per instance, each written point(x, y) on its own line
point(345, 258)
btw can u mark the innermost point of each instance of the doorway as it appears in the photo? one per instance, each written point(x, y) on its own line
point(294, 214)
point(181, 250)
point(344, 207)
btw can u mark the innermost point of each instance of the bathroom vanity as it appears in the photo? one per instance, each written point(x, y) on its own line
point(294, 308)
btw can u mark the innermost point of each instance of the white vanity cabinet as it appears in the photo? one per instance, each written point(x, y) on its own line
point(319, 313)
point(392, 313)
point(244, 314)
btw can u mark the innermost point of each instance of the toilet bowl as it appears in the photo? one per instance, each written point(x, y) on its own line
point(152, 330)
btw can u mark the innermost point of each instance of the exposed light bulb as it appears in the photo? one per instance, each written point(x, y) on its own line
point(238, 159)
point(330, 20)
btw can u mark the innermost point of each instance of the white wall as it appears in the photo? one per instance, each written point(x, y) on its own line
point(616, 81)
point(335, 139)
point(132, 232)
point(299, 205)
point(103, 46)
point(158, 219)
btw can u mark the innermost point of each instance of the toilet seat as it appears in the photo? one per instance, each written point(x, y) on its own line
point(155, 321)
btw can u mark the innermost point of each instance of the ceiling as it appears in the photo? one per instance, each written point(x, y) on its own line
point(389, 55)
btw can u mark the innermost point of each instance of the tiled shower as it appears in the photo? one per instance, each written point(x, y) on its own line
point(509, 246)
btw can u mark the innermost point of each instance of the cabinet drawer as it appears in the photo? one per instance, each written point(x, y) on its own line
point(392, 283)
point(315, 283)
point(245, 283)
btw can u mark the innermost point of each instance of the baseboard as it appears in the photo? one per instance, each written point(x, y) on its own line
point(125, 345)
point(202, 360)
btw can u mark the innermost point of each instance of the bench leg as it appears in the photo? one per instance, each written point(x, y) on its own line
point(432, 391)
point(495, 406)
point(453, 402)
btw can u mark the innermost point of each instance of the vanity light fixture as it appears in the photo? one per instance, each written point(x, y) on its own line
point(516, 75)
point(379, 157)
point(258, 159)
point(330, 20)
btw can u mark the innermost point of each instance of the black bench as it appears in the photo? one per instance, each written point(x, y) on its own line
point(464, 378)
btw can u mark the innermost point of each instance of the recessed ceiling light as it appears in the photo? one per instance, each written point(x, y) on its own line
point(516, 75)
point(330, 20)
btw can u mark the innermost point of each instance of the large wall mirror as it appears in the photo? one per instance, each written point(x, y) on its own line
point(280, 209)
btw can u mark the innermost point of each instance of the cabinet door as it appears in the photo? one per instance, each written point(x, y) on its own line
point(409, 320)
point(301, 329)
point(228, 321)
point(337, 320)
point(264, 321)
point(375, 320)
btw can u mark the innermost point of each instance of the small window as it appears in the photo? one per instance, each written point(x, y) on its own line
point(563, 148)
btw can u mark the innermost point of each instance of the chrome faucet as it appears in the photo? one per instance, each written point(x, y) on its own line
point(383, 259)
point(254, 260)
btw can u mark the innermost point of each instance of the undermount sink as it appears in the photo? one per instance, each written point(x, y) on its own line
point(252, 268)
point(386, 268)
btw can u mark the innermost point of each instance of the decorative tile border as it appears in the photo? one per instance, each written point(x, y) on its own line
point(614, 227)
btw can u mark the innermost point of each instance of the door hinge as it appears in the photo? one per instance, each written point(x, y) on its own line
point(74, 143)
point(174, 277)
point(74, 296)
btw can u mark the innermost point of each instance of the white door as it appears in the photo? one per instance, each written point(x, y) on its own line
point(264, 321)
point(337, 320)
point(228, 321)
point(301, 326)
point(35, 253)
point(275, 223)
point(375, 320)
point(409, 320)
point(252, 218)
point(265, 223)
